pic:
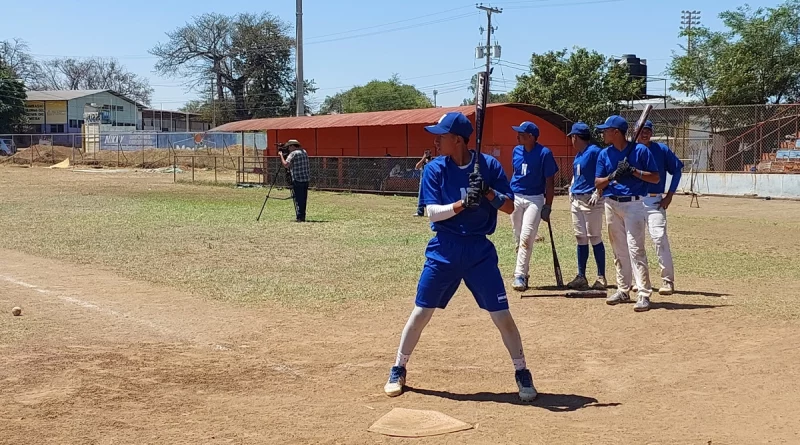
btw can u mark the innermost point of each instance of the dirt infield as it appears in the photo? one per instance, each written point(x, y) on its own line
point(116, 346)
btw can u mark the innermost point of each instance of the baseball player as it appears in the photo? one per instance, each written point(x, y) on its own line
point(586, 207)
point(533, 185)
point(624, 170)
point(656, 203)
point(462, 207)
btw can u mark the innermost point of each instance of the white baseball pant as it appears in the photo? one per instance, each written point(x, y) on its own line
point(587, 221)
point(525, 220)
point(627, 223)
point(657, 224)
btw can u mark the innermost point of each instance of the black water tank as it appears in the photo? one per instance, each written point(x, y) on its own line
point(637, 69)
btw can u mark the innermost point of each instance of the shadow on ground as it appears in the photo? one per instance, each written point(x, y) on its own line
point(550, 402)
point(682, 306)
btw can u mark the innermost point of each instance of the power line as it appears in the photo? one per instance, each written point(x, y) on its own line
point(591, 2)
point(309, 40)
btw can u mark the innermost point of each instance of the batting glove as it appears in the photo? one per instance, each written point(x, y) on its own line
point(595, 197)
point(476, 181)
point(473, 199)
point(546, 212)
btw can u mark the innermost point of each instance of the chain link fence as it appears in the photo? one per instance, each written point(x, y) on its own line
point(389, 175)
point(146, 150)
point(748, 138)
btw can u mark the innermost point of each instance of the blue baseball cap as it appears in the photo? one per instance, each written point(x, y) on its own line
point(648, 124)
point(527, 127)
point(453, 122)
point(580, 128)
point(615, 121)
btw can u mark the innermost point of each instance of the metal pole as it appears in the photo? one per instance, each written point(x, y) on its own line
point(300, 94)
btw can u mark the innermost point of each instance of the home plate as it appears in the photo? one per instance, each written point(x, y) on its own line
point(402, 422)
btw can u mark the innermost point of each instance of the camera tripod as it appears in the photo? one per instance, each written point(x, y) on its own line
point(288, 177)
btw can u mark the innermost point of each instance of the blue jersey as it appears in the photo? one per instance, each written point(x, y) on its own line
point(639, 158)
point(531, 169)
point(666, 162)
point(583, 170)
point(444, 182)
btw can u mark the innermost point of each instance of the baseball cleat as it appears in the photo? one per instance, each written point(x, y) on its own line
point(642, 304)
point(520, 283)
point(524, 380)
point(667, 289)
point(579, 282)
point(617, 297)
point(397, 380)
point(600, 283)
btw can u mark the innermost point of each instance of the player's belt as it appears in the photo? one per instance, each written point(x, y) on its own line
point(653, 195)
point(625, 198)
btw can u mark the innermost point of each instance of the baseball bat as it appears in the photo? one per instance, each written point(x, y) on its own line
point(481, 97)
point(556, 264)
point(639, 126)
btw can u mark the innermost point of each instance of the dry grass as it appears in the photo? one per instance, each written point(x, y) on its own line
point(221, 158)
point(359, 248)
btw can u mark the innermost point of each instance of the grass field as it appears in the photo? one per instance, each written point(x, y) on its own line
point(164, 313)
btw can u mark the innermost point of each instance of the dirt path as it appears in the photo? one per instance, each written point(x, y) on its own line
point(99, 359)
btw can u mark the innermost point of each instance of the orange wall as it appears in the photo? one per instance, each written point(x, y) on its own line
point(500, 138)
point(412, 140)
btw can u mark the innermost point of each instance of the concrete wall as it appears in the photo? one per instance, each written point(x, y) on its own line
point(774, 185)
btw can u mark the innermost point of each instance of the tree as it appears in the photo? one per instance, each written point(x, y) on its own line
point(17, 58)
point(377, 95)
point(755, 60)
point(584, 86)
point(12, 100)
point(91, 74)
point(697, 75)
point(494, 98)
point(248, 57)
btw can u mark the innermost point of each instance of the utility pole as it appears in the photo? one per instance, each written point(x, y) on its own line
point(689, 19)
point(435, 92)
point(487, 51)
point(300, 95)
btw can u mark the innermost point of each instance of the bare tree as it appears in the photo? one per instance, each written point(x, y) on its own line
point(248, 56)
point(197, 52)
point(15, 55)
point(91, 74)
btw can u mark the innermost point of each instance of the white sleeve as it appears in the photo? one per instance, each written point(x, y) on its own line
point(439, 212)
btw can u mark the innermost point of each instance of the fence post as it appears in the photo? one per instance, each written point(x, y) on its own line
point(192, 167)
point(215, 169)
point(174, 168)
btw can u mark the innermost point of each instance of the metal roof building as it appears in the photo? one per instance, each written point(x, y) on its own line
point(401, 132)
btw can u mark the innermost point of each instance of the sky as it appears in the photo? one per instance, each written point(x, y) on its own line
point(428, 44)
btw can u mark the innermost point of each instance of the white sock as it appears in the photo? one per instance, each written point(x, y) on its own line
point(402, 359)
point(519, 363)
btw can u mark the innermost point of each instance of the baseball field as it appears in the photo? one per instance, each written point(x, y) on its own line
point(163, 313)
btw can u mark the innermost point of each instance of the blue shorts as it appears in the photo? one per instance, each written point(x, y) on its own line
point(452, 258)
